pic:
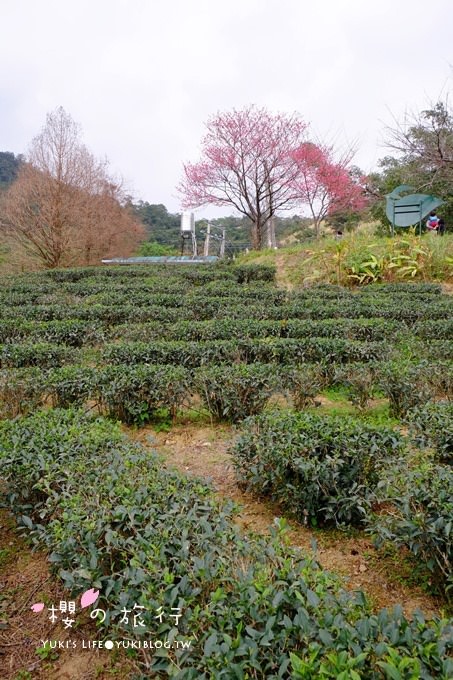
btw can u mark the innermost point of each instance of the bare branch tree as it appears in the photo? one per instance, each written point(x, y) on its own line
point(63, 208)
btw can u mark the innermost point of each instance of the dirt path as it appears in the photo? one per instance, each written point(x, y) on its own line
point(202, 452)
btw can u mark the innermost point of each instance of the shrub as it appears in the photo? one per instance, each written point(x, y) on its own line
point(419, 516)
point(178, 353)
point(303, 384)
point(69, 332)
point(234, 392)
point(133, 394)
point(434, 329)
point(254, 272)
point(406, 385)
point(21, 391)
point(432, 425)
point(71, 385)
point(44, 355)
point(318, 467)
point(359, 379)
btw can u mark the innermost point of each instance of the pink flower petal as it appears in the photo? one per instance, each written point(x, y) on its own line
point(38, 607)
point(89, 597)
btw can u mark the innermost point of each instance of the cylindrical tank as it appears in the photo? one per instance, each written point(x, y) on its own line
point(187, 222)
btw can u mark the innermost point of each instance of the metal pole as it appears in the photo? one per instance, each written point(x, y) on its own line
point(206, 243)
point(222, 243)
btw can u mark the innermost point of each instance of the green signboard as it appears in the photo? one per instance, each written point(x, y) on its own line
point(406, 211)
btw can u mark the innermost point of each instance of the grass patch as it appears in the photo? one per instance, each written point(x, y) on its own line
point(361, 258)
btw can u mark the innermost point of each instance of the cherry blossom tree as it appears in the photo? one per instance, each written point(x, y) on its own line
point(247, 163)
point(324, 185)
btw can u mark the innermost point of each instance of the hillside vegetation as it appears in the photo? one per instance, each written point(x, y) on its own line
point(360, 258)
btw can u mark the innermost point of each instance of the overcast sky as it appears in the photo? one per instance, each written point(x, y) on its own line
point(142, 76)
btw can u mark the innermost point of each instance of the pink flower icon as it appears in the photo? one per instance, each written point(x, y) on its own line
point(38, 607)
point(88, 597)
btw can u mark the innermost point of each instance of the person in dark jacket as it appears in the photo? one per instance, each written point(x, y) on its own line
point(441, 226)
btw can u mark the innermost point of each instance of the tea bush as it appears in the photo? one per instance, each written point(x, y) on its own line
point(133, 394)
point(21, 391)
point(406, 385)
point(419, 502)
point(303, 383)
point(432, 425)
point(44, 355)
point(254, 272)
point(71, 385)
point(319, 468)
point(360, 381)
point(437, 329)
point(232, 393)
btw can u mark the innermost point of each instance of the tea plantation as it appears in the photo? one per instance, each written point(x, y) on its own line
point(82, 349)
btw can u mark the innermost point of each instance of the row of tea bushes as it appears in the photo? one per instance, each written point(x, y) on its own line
point(43, 355)
point(135, 393)
point(70, 332)
point(138, 394)
point(217, 280)
point(286, 351)
point(225, 329)
point(190, 273)
point(207, 308)
point(143, 535)
point(77, 332)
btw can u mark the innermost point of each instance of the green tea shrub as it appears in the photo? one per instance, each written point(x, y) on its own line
point(432, 426)
point(254, 272)
point(133, 394)
point(434, 329)
point(232, 393)
point(360, 381)
point(69, 332)
point(396, 289)
point(441, 377)
point(223, 329)
point(442, 350)
point(319, 468)
point(303, 383)
point(71, 385)
point(177, 353)
point(43, 354)
point(12, 330)
point(406, 385)
point(418, 516)
point(21, 391)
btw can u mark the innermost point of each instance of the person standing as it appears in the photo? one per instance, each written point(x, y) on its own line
point(441, 226)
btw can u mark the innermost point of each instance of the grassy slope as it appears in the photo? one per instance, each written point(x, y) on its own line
point(404, 258)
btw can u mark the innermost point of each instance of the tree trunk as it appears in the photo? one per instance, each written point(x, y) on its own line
point(256, 240)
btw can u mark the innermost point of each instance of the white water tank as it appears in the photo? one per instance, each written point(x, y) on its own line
point(187, 222)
